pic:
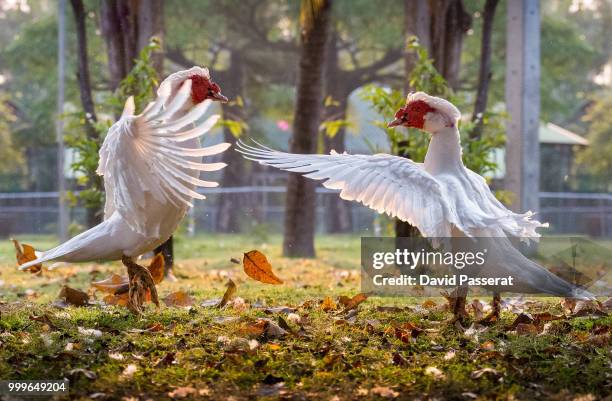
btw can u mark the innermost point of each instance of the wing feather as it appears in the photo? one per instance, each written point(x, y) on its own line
point(388, 184)
point(140, 159)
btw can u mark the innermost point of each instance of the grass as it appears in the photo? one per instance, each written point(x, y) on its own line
point(204, 352)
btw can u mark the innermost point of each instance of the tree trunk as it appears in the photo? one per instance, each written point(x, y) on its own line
point(232, 82)
point(151, 23)
point(337, 210)
point(119, 27)
point(93, 215)
point(301, 197)
point(449, 23)
point(484, 75)
point(417, 22)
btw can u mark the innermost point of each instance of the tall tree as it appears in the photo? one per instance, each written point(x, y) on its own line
point(127, 26)
point(449, 24)
point(301, 197)
point(484, 73)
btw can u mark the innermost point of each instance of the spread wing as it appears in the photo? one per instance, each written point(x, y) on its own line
point(390, 184)
point(142, 157)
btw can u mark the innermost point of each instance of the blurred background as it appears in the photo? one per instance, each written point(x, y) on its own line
point(532, 80)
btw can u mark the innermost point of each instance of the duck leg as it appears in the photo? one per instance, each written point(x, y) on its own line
point(457, 300)
point(140, 282)
point(493, 316)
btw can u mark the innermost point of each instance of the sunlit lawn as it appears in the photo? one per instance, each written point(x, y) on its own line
point(204, 352)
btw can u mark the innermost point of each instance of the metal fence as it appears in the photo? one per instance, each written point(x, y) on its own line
point(262, 207)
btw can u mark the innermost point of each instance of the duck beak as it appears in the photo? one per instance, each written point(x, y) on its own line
point(219, 97)
point(395, 123)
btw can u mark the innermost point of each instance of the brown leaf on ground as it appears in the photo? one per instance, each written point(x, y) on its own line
point(429, 304)
point(155, 327)
point(588, 308)
point(254, 329)
point(25, 253)
point(480, 372)
point(120, 300)
point(526, 329)
point(399, 360)
point(355, 301)
point(229, 293)
point(568, 304)
point(73, 296)
point(112, 284)
point(328, 304)
point(156, 268)
point(547, 317)
point(264, 327)
point(384, 392)
point(182, 392)
point(257, 267)
point(521, 318)
point(434, 372)
point(179, 298)
point(406, 333)
point(44, 319)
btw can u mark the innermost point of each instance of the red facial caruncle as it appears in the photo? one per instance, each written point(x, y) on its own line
point(412, 115)
point(203, 88)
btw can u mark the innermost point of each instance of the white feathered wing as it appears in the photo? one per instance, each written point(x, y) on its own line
point(151, 163)
point(388, 184)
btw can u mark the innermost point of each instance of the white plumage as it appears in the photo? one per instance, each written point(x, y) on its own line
point(441, 197)
point(151, 164)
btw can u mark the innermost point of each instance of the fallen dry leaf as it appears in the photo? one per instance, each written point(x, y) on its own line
point(429, 304)
point(129, 371)
point(355, 301)
point(156, 268)
point(25, 253)
point(121, 300)
point(179, 298)
point(547, 317)
point(229, 293)
point(257, 267)
point(434, 372)
point(328, 304)
point(119, 285)
point(44, 319)
point(182, 392)
point(73, 296)
point(526, 328)
point(478, 373)
point(384, 392)
point(521, 318)
point(111, 284)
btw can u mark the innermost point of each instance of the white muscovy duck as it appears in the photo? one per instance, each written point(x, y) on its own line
point(151, 164)
point(441, 197)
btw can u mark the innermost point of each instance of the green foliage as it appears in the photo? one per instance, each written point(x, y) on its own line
point(141, 81)
point(477, 152)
